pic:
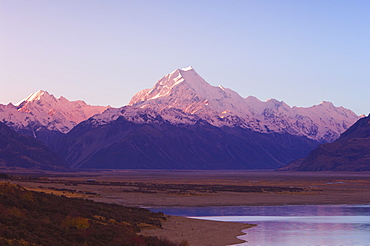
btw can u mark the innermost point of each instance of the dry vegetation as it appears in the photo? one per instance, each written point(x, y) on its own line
point(34, 218)
point(151, 188)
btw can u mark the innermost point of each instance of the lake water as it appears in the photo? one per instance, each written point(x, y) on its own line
point(329, 225)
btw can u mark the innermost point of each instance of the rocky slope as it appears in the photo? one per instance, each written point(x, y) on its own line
point(156, 143)
point(185, 123)
point(17, 150)
point(351, 152)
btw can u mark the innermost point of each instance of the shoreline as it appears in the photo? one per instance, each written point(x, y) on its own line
point(197, 232)
point(201, 232)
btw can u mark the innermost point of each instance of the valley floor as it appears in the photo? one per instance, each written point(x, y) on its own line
point(158, 188)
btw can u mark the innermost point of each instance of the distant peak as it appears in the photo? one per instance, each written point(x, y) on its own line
point(327, 104)
point(275, 101)
point(184, 78)
point(272, 100)
point(180, 70)
point(38, 95)
point(252, 98)
point(187, 68)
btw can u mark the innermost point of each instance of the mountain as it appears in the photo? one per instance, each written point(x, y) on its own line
point(184, 89)
point(182, 122)
point(351, 152)
point(44, 116)
point(22, 151)
point(185, 123)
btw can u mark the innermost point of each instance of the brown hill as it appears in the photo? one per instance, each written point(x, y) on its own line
point(351, 152)
point(33, 218)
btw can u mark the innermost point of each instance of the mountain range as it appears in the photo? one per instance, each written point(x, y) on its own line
point(181, 123)
point(46, 117)
point(184, 89)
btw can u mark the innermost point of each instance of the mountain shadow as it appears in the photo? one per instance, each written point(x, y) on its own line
point(122, 144)
point(17, 150)
point(351, 152)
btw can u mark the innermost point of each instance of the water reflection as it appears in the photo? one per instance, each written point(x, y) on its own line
point(309, 232)
point(292, 233)
point(293, 225)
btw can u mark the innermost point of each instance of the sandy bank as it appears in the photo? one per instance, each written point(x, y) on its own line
point(199, 232)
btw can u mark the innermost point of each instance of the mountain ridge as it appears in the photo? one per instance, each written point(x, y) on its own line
point(185, 90)
point(351, 152)
point(41, 111)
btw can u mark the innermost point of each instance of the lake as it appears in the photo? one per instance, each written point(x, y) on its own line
point(304, 225)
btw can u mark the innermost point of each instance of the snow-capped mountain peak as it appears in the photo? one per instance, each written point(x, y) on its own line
point(187, 68)
point(42, 109)
point(170, 82)
point(186, 90)
point(37, 96)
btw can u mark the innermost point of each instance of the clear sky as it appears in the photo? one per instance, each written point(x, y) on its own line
point(103, 52)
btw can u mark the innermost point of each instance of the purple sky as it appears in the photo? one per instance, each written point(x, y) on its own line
point(103, 52)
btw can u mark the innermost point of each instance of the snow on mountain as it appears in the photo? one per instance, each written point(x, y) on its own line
point(323, 122)
point(10, 115)
point(351, 152)
point(145, 115)
point(185, 90)
point(42, 109)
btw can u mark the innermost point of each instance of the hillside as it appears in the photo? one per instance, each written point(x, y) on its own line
point(351, 152)
point(20, 151)
point(32, 218)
